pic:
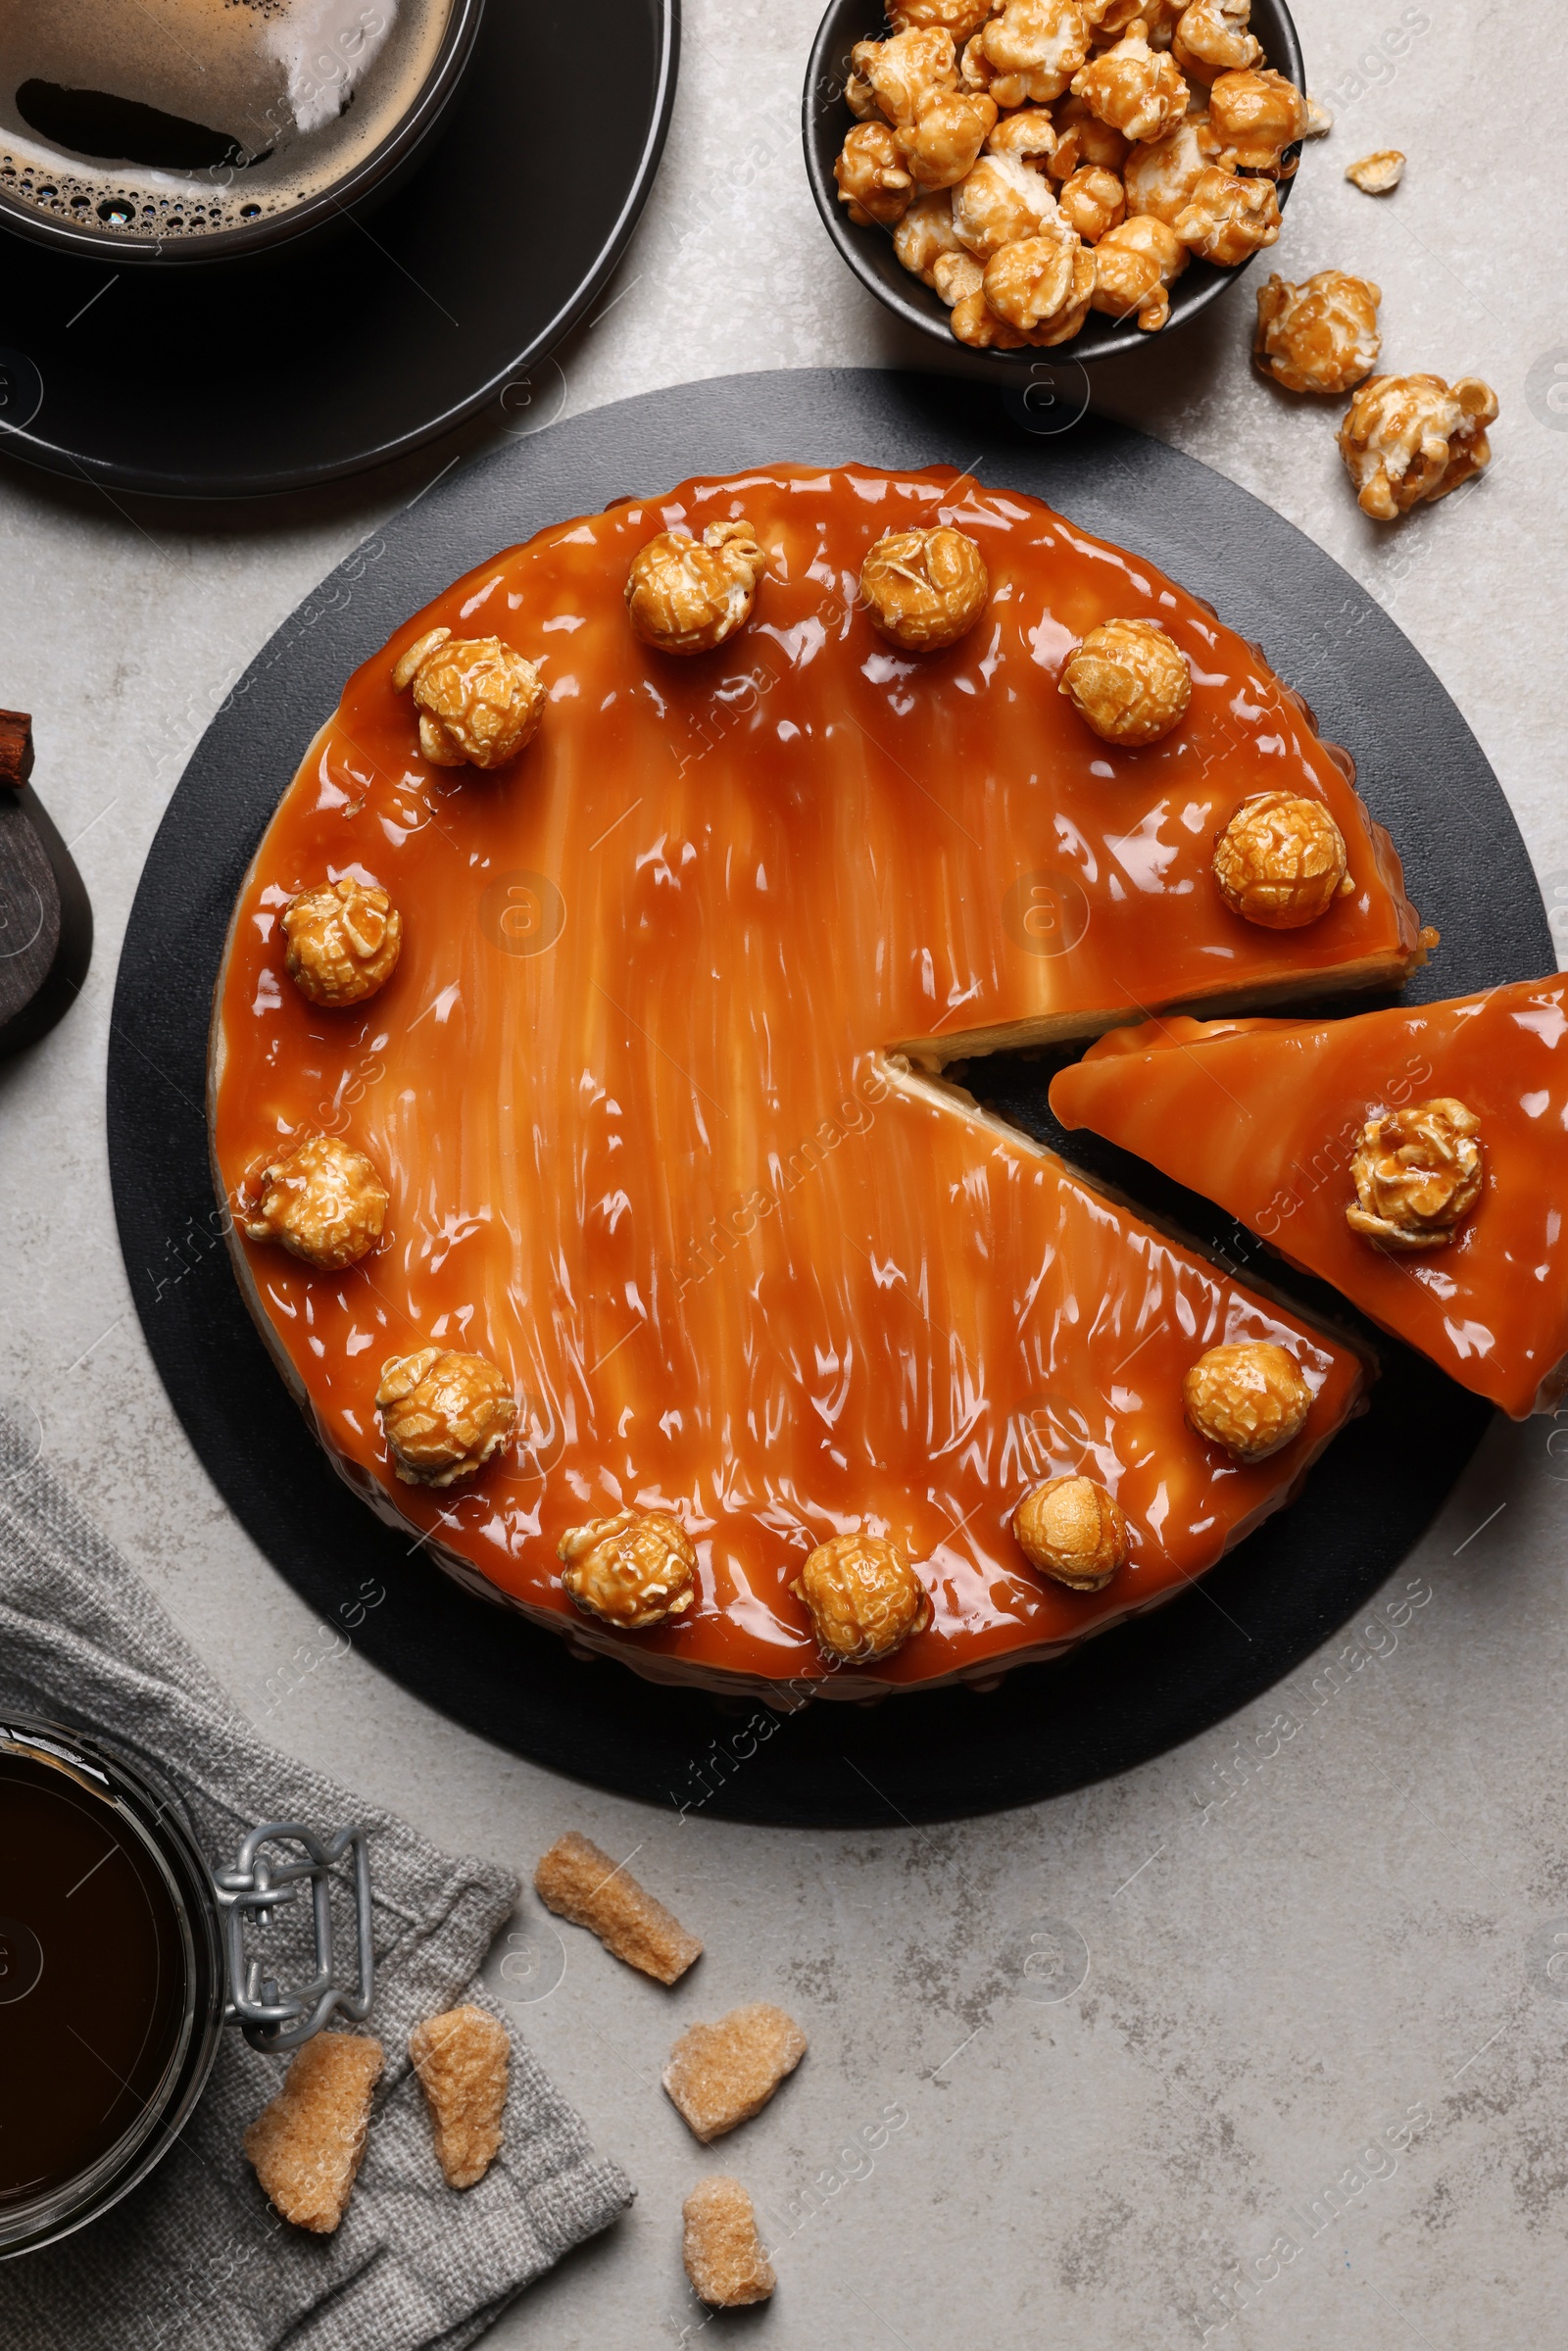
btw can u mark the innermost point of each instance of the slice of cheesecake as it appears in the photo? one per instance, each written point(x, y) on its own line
point(1416, 1158)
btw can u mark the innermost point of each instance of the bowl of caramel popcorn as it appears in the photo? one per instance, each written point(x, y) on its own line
point(1032, 175)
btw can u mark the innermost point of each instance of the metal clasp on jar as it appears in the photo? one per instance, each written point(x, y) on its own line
point(274, 2016)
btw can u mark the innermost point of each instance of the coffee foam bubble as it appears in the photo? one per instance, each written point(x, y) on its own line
point(292, 94)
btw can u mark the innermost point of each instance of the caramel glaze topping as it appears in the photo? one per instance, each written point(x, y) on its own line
point(1266, 1118)
point(632, 1091)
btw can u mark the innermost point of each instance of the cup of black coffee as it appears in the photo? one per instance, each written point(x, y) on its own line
point(199, 130)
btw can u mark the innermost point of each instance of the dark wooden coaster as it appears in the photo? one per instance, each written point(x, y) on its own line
point(45, 919)
point(1114, 1702)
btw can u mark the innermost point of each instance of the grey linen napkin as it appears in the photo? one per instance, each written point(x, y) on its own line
point(196, 2256)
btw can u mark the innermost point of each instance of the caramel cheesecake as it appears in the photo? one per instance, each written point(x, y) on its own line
point(575, 1077)
point(1415, 1158)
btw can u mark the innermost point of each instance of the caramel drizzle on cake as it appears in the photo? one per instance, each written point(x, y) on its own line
point(652, 1087)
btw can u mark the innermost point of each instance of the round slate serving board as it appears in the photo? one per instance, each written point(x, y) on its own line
point(236, 378)
point(1117, 1700)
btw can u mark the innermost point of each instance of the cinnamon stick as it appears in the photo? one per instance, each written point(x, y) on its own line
point(16, 748)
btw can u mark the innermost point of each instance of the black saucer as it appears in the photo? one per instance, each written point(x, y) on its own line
point(234, 379)
point(1119, 1700)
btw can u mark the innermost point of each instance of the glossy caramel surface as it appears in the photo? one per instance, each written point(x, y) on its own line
point(1264, 1117)
point(629, 1086)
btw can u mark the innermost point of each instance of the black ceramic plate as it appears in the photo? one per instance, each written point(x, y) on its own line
point(234, 379)
point(1117, 1700)
point(826, 120)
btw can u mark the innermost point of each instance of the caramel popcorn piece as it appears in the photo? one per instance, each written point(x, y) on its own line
point(1247, 1395)
point(1319, 119)
point(1405, 438)
point(1082, 138)
point(632, 1570)
point(1257, 115)
point(956, 18)
point(721, 2075)
point(1417, 1173)
point(925, 234)
point(1030, 135)
point(1227, 218)
point(1136, 89)
point(909, 71)
point(925, 589)
point(1162, 173)
point(1072, 1529)
point(583, 1886)
point(873, 182)
point(1001, 202)
point(1129, 681)
point(688, 597)
point(1135, 267)
point(342, 941)
point(1211, 38)
point(958, 277)
point(1281, 861)
point(1320, 336)
point(721, 2247)
point(975, 69)
point(1034, 48)
point(1116, 18)
point(306, 2146)
point(323, 1201)
point(1042, 285)
point(976, 323)
point(1092, 202)
point(1375, 174)
point(443, 1415)
point(864, 1597)
point(479, 702)
point(940, 146)
point(463, 2059)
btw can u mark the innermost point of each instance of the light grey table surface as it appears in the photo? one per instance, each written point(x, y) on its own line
point(1312, 2088)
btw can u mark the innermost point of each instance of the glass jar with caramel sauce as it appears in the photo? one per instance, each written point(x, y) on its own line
point(123, 1957)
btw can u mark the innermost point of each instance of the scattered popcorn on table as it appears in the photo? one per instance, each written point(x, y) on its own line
point(1375, 174)
point(1320, 336)
point(1406, 438)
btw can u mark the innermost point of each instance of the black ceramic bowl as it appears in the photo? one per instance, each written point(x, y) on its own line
point(826, 121)
point(364, 186)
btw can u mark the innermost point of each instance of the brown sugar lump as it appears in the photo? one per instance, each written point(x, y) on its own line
point(464, 2059)
point(721, 2075)
point(721, 2249)
point(583, 1885)
point(308, 2144)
